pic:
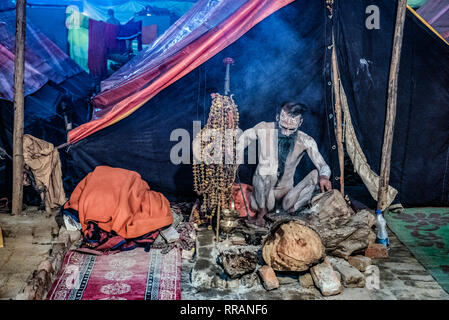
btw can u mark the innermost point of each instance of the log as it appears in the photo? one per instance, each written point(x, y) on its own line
point(341, 231)
point(292, 246)
point(19, 105)
point(391, 106)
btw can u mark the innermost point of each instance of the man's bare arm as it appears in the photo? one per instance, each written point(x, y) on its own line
point(324, 170)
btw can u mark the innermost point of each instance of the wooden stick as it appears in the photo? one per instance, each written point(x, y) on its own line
point(339, 130)
point(19, 104)
point(391, 106)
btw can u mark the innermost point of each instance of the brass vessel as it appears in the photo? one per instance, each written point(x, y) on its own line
point(229, 220)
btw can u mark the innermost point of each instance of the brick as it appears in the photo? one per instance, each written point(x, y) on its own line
point(376, 251)
point(350, 276)
point(325, 278)
point(360, 262)
point(269, 279)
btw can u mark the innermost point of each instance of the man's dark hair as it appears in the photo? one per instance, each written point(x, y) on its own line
point(293, 108)
point(110, 12)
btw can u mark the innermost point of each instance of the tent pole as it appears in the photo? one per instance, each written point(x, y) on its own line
point(338, 116)
point(391, 106)
point(19, 105)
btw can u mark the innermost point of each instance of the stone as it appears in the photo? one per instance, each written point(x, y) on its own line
point(376, 251)
point(268, 277)
point(360, 262)
point(342, 230)
point(64, 237)
point(74, 235)
point(238, 263)
point(350, 276)
point(238, 241)
point(188, 254)
point(372, 277)
point(249, 280)
point(359, 240)
point(233, 284)
point(325, 278)
point(57, 261)
point(46, 265)
point(292, 246)
point(306, 281)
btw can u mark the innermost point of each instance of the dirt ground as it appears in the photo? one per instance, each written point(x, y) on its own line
point(28, 240)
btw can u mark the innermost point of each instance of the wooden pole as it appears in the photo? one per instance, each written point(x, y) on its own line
point(391, 106)
point(338, 116)
point(19, 104)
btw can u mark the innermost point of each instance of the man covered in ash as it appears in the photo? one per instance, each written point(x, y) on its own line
point(281, 147)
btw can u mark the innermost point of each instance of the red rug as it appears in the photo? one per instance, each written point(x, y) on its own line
point(127, 275)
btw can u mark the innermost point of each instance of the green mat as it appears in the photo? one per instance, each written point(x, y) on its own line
point(425, 232)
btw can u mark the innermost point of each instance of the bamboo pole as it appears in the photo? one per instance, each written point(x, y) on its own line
point(19, 104)
point(391, 105)
point(338, 116)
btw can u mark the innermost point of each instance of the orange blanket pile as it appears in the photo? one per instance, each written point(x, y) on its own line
point(119, 200)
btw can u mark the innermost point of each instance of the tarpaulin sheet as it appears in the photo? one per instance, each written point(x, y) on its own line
point(197, 46)
point(125, 9)
point(420, 152)
point(44, 60)
point(436, 13)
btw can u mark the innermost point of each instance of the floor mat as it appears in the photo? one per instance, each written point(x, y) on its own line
point(127, 275)
point(425, 232)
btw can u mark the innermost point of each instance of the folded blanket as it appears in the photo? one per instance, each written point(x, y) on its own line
point(119, 200)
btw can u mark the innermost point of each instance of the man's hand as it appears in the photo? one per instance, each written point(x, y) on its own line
point(325, 184)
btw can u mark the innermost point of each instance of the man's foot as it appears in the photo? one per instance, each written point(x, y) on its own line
point(258, 222)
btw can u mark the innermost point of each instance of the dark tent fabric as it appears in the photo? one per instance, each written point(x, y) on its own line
point(420, 154)
point(288, 56)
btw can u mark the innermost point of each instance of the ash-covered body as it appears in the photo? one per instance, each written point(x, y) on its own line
point(281, 147)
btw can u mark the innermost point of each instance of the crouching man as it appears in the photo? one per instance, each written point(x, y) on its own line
point(281, 147)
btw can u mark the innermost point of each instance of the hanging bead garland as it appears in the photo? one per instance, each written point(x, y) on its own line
point(214, 181)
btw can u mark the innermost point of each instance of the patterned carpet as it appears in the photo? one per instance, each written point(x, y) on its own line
point(127, 275)
point(425, 232)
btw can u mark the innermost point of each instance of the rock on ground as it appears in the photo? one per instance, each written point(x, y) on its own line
point(269, 279)
point(360, 262)
point(325, 278)
point(376, 251)
point(350, 276)
point(238, 263)
point(306, 281)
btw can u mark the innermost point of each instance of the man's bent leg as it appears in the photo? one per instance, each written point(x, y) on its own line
point(262, 198)
point(301, 194)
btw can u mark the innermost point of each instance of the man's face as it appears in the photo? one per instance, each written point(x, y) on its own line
point(289, 124)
